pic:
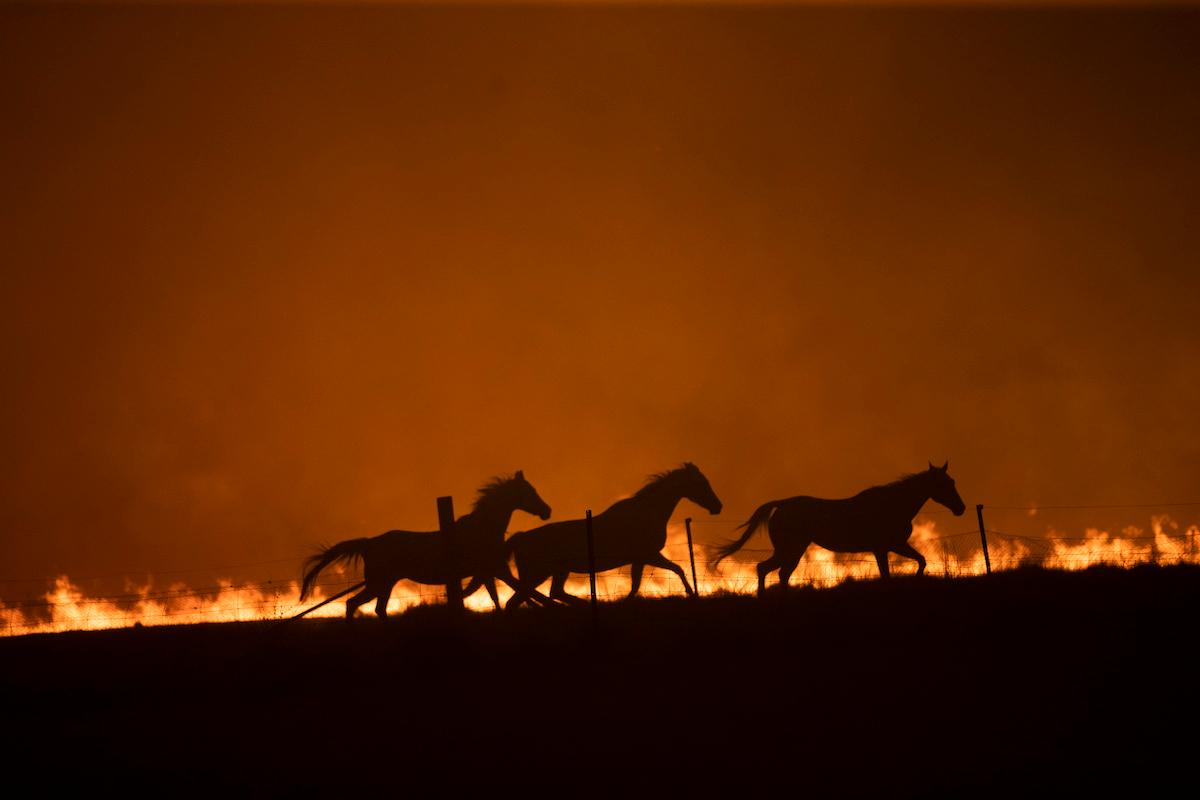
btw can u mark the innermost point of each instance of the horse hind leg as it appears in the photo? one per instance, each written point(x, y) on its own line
point(635, 578)
point(525, 589)
point(381, 602)
point(791, 541)
point(558, 589)
point(359, 599)
point(786, 567)
point(522, 592)
point(763, 568)
point(881, 558)
point(490, 585)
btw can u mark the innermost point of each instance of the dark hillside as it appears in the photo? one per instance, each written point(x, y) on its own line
point(1023, 682)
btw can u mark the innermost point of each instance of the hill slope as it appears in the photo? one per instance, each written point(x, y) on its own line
point(1023, 680)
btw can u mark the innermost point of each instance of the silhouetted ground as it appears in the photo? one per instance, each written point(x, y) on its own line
point(1025, 683)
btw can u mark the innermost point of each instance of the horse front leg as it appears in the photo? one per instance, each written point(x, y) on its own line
point(524, 593)
point(519, 596)
point(908, 551)
point(662, 562)
point(472, 587)
point(882, 561)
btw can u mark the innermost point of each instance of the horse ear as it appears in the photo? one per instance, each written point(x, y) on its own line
point(931, 466)
point(946, 467)
point(521, 474)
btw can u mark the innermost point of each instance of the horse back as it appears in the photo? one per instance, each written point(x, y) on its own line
point(842, 525)
point(628, 534)
point(414, 555)
point(393, 539)
point(555, 543)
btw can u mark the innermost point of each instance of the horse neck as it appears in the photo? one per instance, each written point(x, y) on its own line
point(911, 495)
point(489, 518)
point(660, 502)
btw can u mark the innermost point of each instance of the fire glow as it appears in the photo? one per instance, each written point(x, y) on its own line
point(67, 607)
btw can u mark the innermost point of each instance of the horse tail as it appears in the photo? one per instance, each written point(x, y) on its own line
point(351, 550)
point(757, 519)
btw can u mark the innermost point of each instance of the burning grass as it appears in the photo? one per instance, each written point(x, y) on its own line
point(67, 606)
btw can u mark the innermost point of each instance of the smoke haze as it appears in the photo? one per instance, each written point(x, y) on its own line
point(275, 276)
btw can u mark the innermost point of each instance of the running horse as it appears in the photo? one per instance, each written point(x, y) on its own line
point(477, 540)
point(876, 520)
point(630, 531)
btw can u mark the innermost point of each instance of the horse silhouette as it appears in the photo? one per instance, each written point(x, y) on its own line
point(474, 548)
point(630, 531)
point(876, 520)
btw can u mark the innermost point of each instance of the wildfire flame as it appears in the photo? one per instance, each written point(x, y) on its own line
point(66, 606)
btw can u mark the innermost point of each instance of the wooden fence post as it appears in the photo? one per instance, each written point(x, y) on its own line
point(591, 545)
point(687, 524)
point(987, 559)
point(454, 595)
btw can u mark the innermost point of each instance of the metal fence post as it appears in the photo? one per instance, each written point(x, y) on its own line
point(591, 547)
point(687, 524)
point(987, 559)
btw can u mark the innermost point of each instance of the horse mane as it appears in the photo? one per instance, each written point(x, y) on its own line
point(491, 489)
point(659, 478)
point(904, 479)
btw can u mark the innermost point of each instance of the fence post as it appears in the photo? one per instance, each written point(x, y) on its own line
point(454, 595)
point(591, 545)
point(687, 523)
point(987, 559)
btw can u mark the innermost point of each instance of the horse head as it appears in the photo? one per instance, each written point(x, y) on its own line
point(526, 497)
point(941, 489)
point(695, 487)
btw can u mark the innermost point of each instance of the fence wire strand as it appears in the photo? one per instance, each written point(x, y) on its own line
point(948, 555)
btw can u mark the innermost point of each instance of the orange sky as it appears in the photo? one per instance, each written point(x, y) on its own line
point(275, 276)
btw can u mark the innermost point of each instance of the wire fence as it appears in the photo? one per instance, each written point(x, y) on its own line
point(959, 554)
